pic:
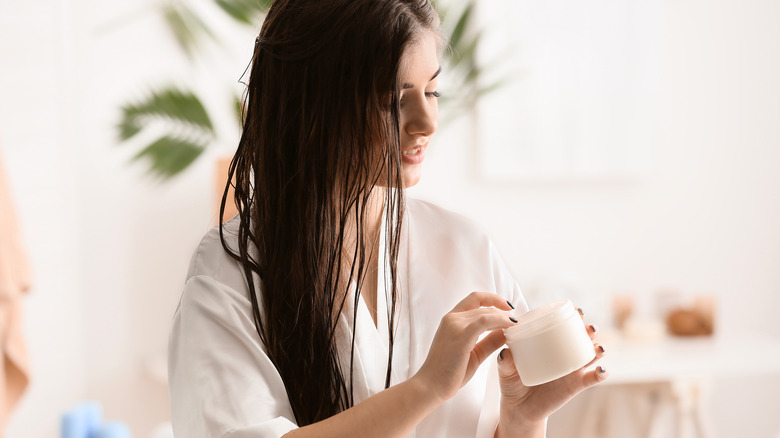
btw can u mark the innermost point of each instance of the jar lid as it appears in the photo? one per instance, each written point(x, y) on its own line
point(541, 319)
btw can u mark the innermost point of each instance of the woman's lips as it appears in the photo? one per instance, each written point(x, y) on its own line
point(413, 155)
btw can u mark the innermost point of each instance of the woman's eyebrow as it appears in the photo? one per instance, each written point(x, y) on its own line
point(407, 85)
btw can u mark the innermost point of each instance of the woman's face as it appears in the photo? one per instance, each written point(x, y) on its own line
point(419, 105)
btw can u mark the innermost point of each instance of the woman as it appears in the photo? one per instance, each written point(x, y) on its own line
point(331, 305)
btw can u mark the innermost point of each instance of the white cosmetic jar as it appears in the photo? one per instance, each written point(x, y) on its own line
point(549, 342)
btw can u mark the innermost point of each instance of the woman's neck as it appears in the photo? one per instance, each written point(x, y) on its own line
point(371, 233)
point(372, 225)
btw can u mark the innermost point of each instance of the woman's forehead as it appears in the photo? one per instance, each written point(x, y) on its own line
point(420, 60)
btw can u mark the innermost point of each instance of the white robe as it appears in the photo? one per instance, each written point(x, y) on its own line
point(222, 383)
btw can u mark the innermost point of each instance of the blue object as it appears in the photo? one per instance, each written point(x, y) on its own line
point(73, 425)
point(93, 414)
point(82, 421)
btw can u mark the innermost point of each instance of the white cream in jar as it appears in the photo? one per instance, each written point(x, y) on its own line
point(549, 342)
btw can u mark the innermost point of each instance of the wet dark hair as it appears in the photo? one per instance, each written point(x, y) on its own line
point(321, 130)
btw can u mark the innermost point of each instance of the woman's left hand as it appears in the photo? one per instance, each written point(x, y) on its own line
point(527, 407)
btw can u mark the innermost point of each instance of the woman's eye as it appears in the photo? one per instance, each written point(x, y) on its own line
point(433, 94)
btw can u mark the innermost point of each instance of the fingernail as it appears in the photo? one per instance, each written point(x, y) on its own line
point(602, 349)
point(512, 319)
point(602, 370)
point(579, 309)
point(510, 304)
point(593, 327)
point(501, 354)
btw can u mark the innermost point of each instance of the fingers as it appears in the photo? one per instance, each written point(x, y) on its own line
point(488, 345)
point(594, 377)
point(592, 330)
point(476, 300)
point(600, 352)
point(506, 365)
point(480, 320)
point(583, 378)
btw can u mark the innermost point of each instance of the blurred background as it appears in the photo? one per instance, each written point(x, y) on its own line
point(621, 154)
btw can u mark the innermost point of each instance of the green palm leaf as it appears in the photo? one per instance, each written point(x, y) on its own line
point(170, 104)
point(170, 155)
point(187, 27)
point(465, 52)
point(461, 25)
point(467, 74)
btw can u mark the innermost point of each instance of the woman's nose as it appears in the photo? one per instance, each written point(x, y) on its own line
point(422, 118)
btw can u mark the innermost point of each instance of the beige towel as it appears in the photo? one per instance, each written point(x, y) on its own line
point(14, 281)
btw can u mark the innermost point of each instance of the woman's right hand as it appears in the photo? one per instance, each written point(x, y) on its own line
point(456, 351)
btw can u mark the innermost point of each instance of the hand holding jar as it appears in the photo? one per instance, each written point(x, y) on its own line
point(547, 364)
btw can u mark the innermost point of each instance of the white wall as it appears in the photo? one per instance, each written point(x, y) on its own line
point(36, 138)
point(110, 247)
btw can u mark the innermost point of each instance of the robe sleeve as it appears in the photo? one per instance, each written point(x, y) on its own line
point(221, 382)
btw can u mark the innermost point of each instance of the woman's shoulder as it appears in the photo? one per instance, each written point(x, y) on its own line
point(457, 252)
point(436, 220)
point(211, 260)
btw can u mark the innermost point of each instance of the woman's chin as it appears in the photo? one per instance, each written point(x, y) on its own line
point(412, 175)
